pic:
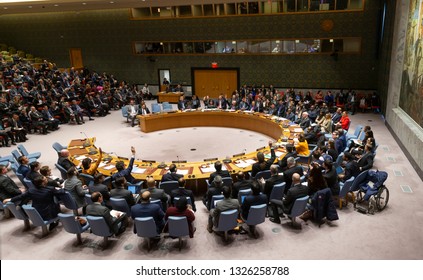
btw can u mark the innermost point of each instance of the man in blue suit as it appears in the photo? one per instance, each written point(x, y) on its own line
point(126, 172)
point(147, 209)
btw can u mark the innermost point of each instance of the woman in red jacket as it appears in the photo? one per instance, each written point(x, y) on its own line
point(345, 121)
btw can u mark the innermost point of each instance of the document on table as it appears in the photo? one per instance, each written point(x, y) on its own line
point(241, 164)
point(138, 170)
point(182, 172)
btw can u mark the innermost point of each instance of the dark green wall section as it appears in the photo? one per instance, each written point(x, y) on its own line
point(106, 40)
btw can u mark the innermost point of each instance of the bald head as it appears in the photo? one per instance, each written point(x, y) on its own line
point(151, 183)
point(296, 178)
point(64, 153)
point(145, 196)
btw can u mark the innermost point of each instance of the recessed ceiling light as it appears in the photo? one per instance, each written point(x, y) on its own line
point(30, 7)
point(5, 8)
point(111, 2)
point(84, 3)
point(56, 5)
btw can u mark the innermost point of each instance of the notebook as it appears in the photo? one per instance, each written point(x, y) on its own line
point(339, 170)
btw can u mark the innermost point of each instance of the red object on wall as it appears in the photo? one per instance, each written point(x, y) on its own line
point(214, 65)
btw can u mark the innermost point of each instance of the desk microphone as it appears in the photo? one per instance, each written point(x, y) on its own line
point(87, 142)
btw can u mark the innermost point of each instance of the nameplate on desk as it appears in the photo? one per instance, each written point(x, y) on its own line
point(238, 155)
point(123, 158)
point(150, 161)
point(210, 159)
point(179, 161)
point(258, 149)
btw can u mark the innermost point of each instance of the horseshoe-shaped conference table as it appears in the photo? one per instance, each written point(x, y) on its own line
point(195, 172)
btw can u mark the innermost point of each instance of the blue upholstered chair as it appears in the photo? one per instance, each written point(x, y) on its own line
point(256, 215)
point(120, 204)
point(345, 189)
point(169, 186)
point(36, 218)
point(242, 194)
point(178, 227)
point(298, 208)
point(63, 172)
point(146, 228)
point(69, 202)
point(19, 213)
point(227, 221)
point(24, 152)
point(72, 225)
point(58, 147)
point(215, 199)
point(99, 227)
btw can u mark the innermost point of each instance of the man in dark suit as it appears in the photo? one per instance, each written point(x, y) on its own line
point(292, 168)
point(172, 175)
point(304, 121)
point(296, 191)
point(274, 179)
point(43, 199)
point(227, 203)
point(291, 152)
point(255, 198)
point(34, 171)
point(121, 192)
point(147, 209)
point(214, 189)
point(351, 167)
point(181, 103)
point(98, 186)
point(8, 187)
point(365, 161)
point(330, 176)
point(64, 160)
point(219, 171)
point(336, 117)
point(241, 184)
point(182, 191)
point(156, 193)
point(144, 110)
point(126, 172)
point(116, 224)
point(24, 166)
point(262, 165)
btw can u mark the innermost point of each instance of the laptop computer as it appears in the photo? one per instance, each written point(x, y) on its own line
point(339, 170)
point(132, 189)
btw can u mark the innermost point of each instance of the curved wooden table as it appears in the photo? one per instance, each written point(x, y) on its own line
point(194, 172)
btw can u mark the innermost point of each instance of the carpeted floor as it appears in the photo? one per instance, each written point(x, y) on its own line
point(394, 233)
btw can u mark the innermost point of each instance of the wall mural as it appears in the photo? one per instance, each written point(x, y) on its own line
point(411, 98)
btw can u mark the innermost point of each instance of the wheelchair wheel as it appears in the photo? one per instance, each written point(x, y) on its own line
point(382, 198)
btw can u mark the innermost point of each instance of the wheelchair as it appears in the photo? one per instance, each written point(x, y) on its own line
point(372, 192)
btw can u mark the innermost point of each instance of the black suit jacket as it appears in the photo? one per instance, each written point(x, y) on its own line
point(274, 180)
point(283, 162)
point(209, 194)
point(251, 200)
point(171, 176)
point(123, 193)
point(221, 173)
point(42, 200)
point(256, 166)
point(241, 185)
point(65, 163)
point(332, 181)
point(366, 161)
point(8, 188)
point(98, 210)
point(156, 193)
point(144, 210)
point(297, 191)
point(183, 192)
point(288, 175)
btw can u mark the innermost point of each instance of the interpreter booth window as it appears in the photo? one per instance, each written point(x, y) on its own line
point(139, 48)
point(275, 46)
point(265, 46)
point(242, 47)
point(352, 45)
point(254, 47)
point(199, 47)
point(209, 47)
point(187, 47)
point(288, 47)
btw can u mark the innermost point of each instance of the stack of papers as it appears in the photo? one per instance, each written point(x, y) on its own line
point(138, 170)
point(182, 172)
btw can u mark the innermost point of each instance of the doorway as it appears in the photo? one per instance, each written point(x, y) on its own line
point(164, 73)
